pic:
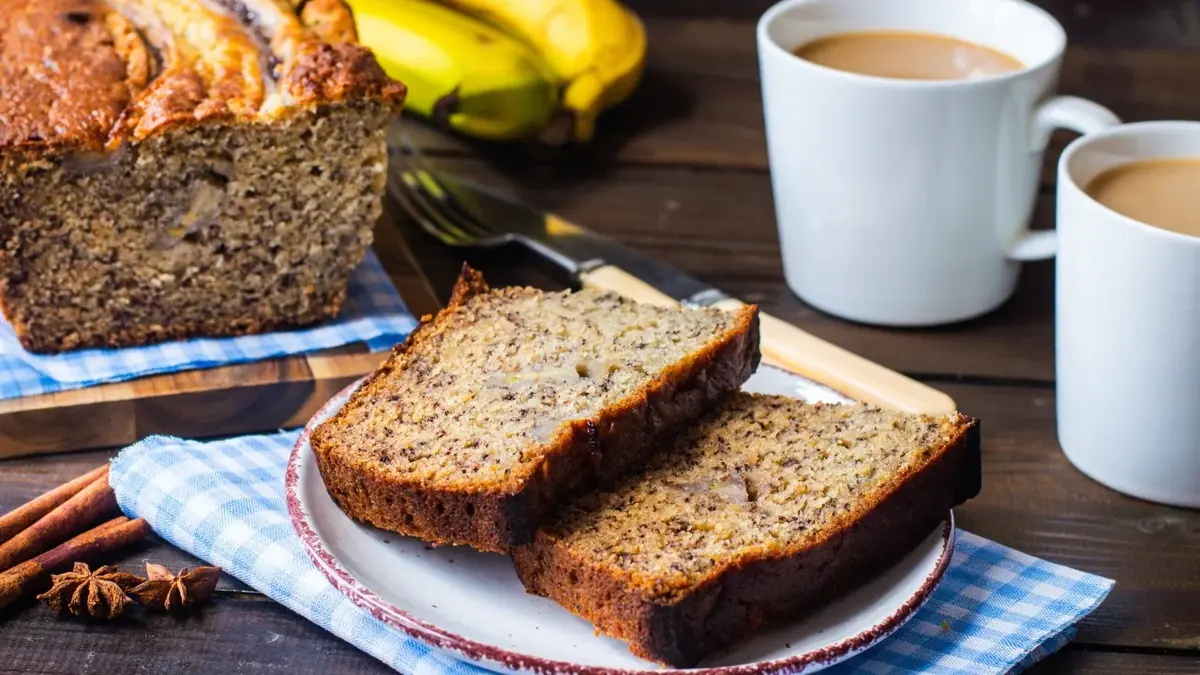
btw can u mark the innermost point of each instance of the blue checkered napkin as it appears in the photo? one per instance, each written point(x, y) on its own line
point(373, 313)
point(995, 611)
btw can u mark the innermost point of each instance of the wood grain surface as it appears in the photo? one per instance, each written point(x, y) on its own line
point(680, 172)
point(233, 635)
point(1032, 500)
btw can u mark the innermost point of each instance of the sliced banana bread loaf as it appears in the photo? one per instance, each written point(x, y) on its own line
point(766, 507)
point(181, 168)
point(511, 399)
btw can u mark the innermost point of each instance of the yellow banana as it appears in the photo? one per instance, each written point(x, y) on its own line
point(460, 72)
point(597, 48)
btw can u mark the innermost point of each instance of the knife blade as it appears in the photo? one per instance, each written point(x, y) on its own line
point(576, 249)
point(597, 261)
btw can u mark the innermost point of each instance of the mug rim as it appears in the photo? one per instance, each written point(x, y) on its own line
point(767, 19)
point(1066, 179)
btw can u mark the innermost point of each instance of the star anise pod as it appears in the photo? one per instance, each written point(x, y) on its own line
point(165, 591)
point(82, 592)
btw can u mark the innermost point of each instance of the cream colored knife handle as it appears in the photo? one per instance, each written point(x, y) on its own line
point(786, 346)
point(617, 280)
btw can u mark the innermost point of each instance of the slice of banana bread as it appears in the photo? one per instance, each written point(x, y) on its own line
point(488, 415)
point(766, 507)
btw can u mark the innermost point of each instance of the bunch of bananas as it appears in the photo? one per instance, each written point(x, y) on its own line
point(507, 69)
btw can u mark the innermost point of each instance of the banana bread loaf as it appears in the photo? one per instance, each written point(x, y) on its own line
point(765, 507)
point(512, 399)
point(177, 168)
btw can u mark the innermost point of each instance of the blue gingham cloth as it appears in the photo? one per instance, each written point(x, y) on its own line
point(996, 610)
point(373, 313)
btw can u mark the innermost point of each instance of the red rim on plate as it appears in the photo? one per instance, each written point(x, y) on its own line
point(478, 652)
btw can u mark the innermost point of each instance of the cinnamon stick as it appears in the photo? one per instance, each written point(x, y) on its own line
point(27, 514)
point(90, 505)
point(33, 576)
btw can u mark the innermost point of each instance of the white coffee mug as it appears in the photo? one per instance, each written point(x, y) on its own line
point(1127, 326)
point(907, 202)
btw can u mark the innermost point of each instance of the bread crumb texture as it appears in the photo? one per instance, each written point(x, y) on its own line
point(762, 476)
point(492, 385)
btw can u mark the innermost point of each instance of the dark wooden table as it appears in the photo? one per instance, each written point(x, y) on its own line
point(680, 172)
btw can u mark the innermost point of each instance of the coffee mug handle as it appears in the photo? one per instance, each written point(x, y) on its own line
point(1060, 112)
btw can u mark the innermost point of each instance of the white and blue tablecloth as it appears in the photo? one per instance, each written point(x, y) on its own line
point(373, 313)
point(996, 610)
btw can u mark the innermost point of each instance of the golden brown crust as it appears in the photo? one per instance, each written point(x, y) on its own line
point(83, 74)
point(129, 47)
point(62, 80)
point(217, 64)
point(740, 595)
point(592, 452)
point(323, 72)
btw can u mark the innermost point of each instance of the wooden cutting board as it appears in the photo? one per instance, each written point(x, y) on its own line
point(239, 399)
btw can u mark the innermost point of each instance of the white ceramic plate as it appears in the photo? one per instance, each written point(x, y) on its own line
point(472, 606)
